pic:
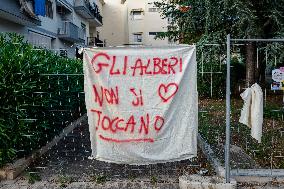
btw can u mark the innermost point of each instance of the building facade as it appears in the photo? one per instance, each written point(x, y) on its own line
point(133, 22)
point(59, 25)
point(66, 25)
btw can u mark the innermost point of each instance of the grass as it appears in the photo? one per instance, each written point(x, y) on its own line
point(34, 107)
point(33, 177)
point(132, 177)
point(101, 179)
point(154, 180)
point(267, 154)
point(64, 180)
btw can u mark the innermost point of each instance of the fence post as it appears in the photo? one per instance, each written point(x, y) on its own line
point(228, 109)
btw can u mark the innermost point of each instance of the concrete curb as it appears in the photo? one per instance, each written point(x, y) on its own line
point(258, 179)
point(258, 172)
point(208, 152)
point(241, 175)
point(205, 182)
point(11, 171)
point(119, 184)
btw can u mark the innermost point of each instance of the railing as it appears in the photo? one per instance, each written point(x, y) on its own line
point(71, 32)
point(82, 33)
point(11, 10)
point(262, 159)
point(95, 11)
point(94, 41)
point(88, 10)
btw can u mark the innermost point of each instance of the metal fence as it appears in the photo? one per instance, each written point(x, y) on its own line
point(71, 154)
point(271, 148)
point(69, 157)
point(247, 156)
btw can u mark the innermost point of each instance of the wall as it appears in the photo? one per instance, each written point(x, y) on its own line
point(8, 26)
point(52, 25)
point(151, 22)
point(115, 25)
point(119, 27)
point(135, 26)
point(94, 29)
point(47, 32)
point(154, 23)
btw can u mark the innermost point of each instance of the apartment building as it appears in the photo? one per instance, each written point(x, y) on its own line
point(133, 22)
point(60, 25)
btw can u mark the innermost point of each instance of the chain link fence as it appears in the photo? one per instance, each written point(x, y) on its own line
point(46, 93)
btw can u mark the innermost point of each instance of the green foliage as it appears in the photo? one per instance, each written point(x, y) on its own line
point(212, 128)
point(211, 77)
point(33, 177)
point(212, 72)
point(31, 102)
point(64, 180)
point(154, 180)
point(132, 177)
point(211, 20)
point(100, 179)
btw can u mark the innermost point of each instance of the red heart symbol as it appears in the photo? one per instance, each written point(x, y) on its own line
point(165, 93)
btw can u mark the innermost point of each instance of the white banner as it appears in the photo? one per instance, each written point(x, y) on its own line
point(142, 103)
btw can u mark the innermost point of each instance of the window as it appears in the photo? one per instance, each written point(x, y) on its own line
point(136, 15)
point(98, 34)
point(153, 9)
point(63, 52)
point(83, 26)
point(48, 9)
point(137, 37)
point(39, 40)
point(154, 33)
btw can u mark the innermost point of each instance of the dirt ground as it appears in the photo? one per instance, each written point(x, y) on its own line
point(249, 153)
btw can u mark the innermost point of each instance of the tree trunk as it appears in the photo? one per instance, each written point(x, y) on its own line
point(250, 64)
point(260, 77)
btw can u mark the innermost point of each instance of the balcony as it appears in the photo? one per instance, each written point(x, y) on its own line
point(63, 7)
point(19, 13)
point(94, 41)
point(70, 32)
point(88, 11)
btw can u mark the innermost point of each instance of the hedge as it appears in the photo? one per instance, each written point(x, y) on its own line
point(35, 106)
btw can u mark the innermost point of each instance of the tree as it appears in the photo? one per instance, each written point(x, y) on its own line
point(209, 21)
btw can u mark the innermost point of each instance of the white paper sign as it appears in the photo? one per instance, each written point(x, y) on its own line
point(142, 103)
point(277, 75)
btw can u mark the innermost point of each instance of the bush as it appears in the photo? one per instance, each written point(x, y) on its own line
point(34, 107)
point(214, 85)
